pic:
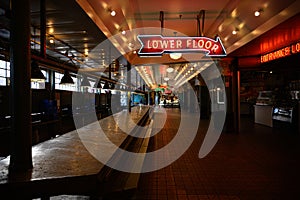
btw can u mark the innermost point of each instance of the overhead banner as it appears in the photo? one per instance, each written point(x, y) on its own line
point(156, 45)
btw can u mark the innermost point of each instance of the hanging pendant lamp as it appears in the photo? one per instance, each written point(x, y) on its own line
point(106, 85)
point(66, 79)
point(98, 84)
point(85, 82)
point(175, 55)
point(36, 73)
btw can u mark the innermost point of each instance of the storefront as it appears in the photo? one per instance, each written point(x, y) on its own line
point(270, 77)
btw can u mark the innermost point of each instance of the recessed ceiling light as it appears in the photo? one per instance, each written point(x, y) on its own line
point(235, 31)
point(257, 12)
point(113, 13)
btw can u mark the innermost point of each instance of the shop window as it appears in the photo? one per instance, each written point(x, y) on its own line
point(4, 73)
point(2, 81)
point(40, 85)
point(69, 87)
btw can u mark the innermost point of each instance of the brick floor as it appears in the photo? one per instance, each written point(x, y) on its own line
point(258, 163)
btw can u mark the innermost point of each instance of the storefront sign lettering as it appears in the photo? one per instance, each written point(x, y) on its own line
point(286, 51)
point(156, 45)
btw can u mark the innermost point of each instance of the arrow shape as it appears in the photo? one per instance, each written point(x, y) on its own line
point(156, 45)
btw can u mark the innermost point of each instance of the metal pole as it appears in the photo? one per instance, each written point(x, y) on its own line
point(43, 28)
point(21, 141)
point(235, 96)
point(203, 18)
point(129, 85)
point(110, 62)
point(161, 19)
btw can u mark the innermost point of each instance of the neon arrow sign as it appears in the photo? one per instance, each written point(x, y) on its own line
point(156, 45)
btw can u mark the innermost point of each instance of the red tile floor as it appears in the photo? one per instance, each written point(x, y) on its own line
point(258, 163)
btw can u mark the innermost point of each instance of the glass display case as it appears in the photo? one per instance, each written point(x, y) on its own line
point(285, 115)
point(265, 98)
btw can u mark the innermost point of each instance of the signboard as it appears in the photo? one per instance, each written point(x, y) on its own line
point(156, 45)
point(286, 51)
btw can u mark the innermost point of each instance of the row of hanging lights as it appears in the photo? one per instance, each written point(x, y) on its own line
point(38, 76)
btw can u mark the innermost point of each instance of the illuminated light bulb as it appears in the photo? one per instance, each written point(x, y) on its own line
point(258, 12)
point(234, 32)
point(86, 52)
point(51, 30)
point(170, 69)
point(113, 13)
point(175, 56)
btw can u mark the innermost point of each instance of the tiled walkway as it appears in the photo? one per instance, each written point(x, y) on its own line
point(258, 163)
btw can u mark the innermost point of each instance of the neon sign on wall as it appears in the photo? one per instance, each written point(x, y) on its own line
point(156, 45)
point(286, 51)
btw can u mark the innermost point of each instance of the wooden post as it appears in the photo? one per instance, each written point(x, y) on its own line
point(21, 141)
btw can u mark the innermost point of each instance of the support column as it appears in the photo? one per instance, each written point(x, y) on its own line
point(110, 63)
point(129, 84)
point(43, 28)
point(21, 141)
point(235, 96)
point(149, 97)
point(52, 84)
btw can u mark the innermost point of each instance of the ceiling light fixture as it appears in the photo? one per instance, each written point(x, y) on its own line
point(85, 82)
point(175, 56)
point(51, 30)
point(106, 85)
point(86, 52)
point(257, 12)
point(112, 12)
point(170, 69)
point(66, 79)
point(130, 45)
point(98, 85)
point(36, 73)
point(112, 86)
point(51, 41)
point(235, 31)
